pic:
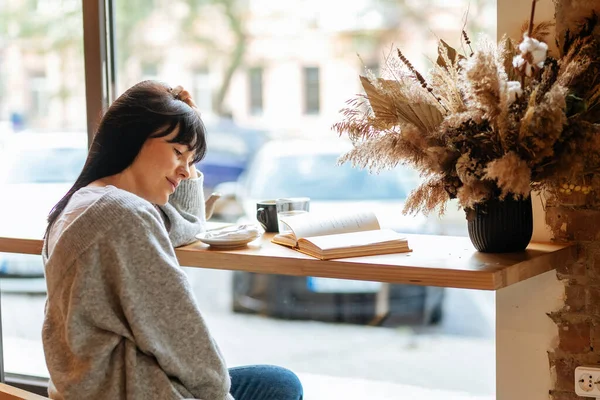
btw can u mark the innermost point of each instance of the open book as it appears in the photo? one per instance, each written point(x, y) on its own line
point(340, 236)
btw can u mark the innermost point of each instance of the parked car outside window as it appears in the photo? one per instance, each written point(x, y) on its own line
point(36, 170)
point(290, 168)
point(230, 150)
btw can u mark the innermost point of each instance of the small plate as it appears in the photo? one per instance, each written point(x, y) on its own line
point(250, 233)
point(225, 243)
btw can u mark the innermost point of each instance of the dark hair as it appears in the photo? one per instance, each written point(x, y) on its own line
point(147, 110)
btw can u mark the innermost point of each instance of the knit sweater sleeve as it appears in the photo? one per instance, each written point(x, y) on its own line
point(184, 213)
point(160, 308)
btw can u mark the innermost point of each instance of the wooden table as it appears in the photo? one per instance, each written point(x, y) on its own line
point(525, 284)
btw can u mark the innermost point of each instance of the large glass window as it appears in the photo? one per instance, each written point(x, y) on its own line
point(43, 145)
point(269, 135)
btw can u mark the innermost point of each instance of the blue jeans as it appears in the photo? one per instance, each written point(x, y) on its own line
point(264, 382)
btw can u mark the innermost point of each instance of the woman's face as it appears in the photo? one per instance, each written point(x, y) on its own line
point(159, 167)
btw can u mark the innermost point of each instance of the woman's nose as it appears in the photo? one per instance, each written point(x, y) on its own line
point(184, 171)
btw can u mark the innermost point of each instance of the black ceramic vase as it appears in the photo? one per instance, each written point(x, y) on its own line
point(505, 226)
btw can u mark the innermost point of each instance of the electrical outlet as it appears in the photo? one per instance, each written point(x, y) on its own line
point(587, 381)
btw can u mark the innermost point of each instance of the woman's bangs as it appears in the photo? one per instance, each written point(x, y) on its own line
point(192, 134)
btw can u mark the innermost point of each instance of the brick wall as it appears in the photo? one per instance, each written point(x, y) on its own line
point(579, 320)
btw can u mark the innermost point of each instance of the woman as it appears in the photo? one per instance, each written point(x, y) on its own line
point(121, 321)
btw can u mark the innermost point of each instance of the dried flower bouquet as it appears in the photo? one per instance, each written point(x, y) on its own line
point(500, 121)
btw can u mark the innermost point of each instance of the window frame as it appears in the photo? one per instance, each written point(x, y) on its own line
point(98, 51)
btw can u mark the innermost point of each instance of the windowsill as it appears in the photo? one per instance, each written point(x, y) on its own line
point(443, 261)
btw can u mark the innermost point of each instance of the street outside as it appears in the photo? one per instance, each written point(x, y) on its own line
point(454, 360)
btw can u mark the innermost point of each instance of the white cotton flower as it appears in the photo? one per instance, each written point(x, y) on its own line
point(521, 64)
point(533, 53)
point(535, 47)
point(518, 61)
point(513, 90)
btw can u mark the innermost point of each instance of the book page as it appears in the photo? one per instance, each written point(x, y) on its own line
point(309, 224)
point(357, 239)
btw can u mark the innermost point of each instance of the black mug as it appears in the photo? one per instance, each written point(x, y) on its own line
point(266, 214)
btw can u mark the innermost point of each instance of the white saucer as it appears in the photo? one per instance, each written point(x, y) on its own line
point(225, 242)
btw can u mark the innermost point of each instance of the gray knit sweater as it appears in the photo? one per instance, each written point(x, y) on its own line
point(121, 321)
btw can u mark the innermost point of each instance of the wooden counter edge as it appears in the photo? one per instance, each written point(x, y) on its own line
point(12, 393)
point(537, 266)
point(311, 267)
point(21, 246)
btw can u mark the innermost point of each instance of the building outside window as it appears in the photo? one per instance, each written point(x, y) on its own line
point(312, 94)
point(255, 82)
point(39, 95)
point(202, 89)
